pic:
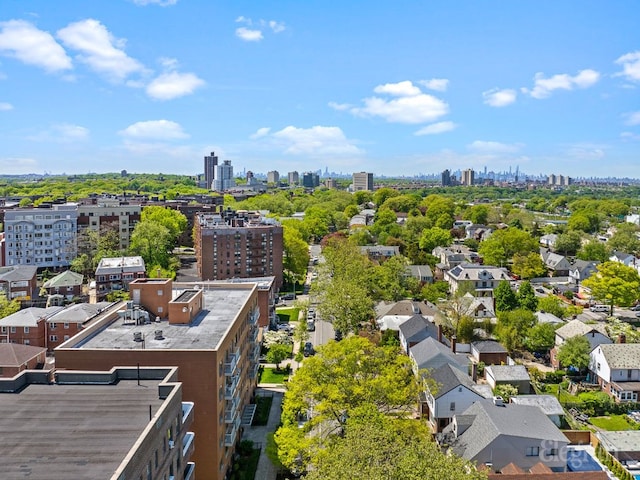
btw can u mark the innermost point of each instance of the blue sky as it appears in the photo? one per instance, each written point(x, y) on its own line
point(395, 88)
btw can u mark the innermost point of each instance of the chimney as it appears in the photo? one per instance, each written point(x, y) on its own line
point(474, 371)
point(622, 338)
point(439, 334)
point(454, 341)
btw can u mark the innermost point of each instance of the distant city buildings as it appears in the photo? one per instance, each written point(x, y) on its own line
point(224, 179)
point(273, 177)
point(468, 177)
point(362, 181)
point(445, 178)
point(310, 180)
point(559, 180)
point(294, 178)
point(210, 164)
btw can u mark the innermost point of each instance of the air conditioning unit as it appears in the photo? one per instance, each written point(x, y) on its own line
point(171, 444)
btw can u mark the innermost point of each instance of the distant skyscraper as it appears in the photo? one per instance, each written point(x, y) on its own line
point(445, 178)
point(273, 177)
point(468, 177)
point(362, 181)
point(224, 177)
point(294, 178)
point(210, 164)
point(310, 180)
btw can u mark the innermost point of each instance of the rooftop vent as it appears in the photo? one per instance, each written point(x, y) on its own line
point(137, 336)
point(498, 401)
point(158, 335)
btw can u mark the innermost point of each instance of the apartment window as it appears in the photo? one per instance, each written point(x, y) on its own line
point(66, 337)
point(53, 326)
point(160, 292)
point(53, 338)
point(66, 325)
point(26, 329)
point(533, 451)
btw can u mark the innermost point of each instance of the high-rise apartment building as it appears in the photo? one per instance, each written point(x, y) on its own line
point(310, 180)
point(445, 178)
point(273, 177)
point(118, 216)
point(468, 177)
point(42, 237)
point(558, 180)
point(210, 332)
point(294, 178)
point(362, 181)
point(224, 177)
point(238, 245)
point(210, 164)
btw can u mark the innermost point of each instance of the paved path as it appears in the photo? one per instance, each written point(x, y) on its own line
point(258, 434)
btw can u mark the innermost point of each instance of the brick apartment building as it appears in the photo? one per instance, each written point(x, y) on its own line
point(18, 281)
point(211, 335)
point(127, 423)
point(14, 358)
point(240, 244)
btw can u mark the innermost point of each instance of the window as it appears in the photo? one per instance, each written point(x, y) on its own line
point(533, 451)
point(66, 325)
point(27, 342)
point(160, 292)
point(52, 326)
point(26, 329)
point(13, 329)
point(452, 406)
point(53, 338)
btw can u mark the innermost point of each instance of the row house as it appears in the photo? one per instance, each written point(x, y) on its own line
point(616, 368)
point(18, 281)
point(115, 273)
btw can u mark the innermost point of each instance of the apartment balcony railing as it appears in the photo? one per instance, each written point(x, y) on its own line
point(232, 363)
point(254, 353)
point(253, 334)
point(231, 387)
point(253, 317)
point(187, 444)
point(231, 433)
point(231, 412)
point(187, 413)
point(190, 471)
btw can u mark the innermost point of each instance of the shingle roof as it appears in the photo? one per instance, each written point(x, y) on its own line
point(489, 346)
point(78, 313)
point(622, 355)
point(17, 273)
point(472, 271)
point(16, 354)
point(65, 279)
point(447, 378)
point(506, 373)
point(576, 328)
point(28, 317)
point(416, 329)
point(430, 353)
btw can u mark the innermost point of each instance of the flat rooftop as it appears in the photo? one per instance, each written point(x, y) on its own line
point(53, 432)
point(221, 307)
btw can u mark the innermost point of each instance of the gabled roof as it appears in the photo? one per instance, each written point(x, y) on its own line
point(78, 313)
point(430, 353)
point(508, 373)
point(553, 260)
point(546, 317)
point(16, 354)
point(621, 355)
point(488, 346)
point(472, 271)
point(621, 256)
point(29, 317)
point(65, 279)
point(576, 328)
point(420, 271)
point(448, 378)
point(492, 421)
point(17, 273)
point(584, 266)
point(406, 307)
point(548, 403)
point(417, 328)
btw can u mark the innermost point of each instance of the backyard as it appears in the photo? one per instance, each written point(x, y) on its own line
point(273, 375)
point(614, 423)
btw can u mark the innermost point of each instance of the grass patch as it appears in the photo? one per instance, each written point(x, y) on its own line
point(552, 389)
point(288, 314)
point(272, 451)
point(613, 422)
point(271, 375)
point(245, 467)
point(263, 407)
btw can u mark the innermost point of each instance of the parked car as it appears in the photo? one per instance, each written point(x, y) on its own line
point(311, 325)
point(288, 296)
point(599, 308)
point(308, 350)
point(635, 308)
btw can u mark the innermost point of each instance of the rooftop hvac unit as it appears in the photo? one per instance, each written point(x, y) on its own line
point(137, 336)
point(158, 335)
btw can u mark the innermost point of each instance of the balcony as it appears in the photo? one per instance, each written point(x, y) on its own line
point(232, 363)
point(253, 371)
point(187, 444)
point(231, 387)
point(187, 413)
point(232, 433)
point(253, 334)
point(190, 471)
point(253, 317)
point(254, 353)
point(231, 412)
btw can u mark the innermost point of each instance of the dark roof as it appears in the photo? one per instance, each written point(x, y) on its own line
point(417, 328)
point(488, 346)
point(16, 354)
point(447, 378)
point(17, 273)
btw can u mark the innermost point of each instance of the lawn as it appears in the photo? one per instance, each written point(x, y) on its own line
point(288, 314)
point(263, 406)
point(613, 422)
point(271, 375)
point(552, 389)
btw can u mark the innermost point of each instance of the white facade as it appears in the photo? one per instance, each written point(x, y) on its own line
point(454, 402)
point(224, 177)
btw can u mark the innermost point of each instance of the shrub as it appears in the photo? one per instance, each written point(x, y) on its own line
point(554, 377)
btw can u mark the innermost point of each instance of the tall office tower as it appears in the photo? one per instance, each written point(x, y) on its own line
point(362, 181)
point(445, 178)
point(310, 180)
point(468, 177)
point(294, 178)
point(273, 176)
point(210, 164)
point(224, 177)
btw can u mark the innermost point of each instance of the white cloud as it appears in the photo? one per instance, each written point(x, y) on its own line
point(417, 109)
point(630, 136)
point(314, 141)
point(18, 165)
point(341, 107)
point(632, 118)
point(62, 133)
point(261, 132)
point(400, 89)
point(543, 87)
point(22, 40)
point(499, 98)
point(154, 130)
point(5, 106)
point(489, 147)
point(276, 27)
point(99, 49)
point(586, 151)
point(437, 84)
point(172, 85)
point(162, 3)
point(168, 63)
point(630, 66)
point(436, 128)
point(249, 35)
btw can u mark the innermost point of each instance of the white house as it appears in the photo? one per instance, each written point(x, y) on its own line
point(616, 368)
point(482, 279)
point(595, 333)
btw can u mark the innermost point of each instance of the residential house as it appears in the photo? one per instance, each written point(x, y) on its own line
point(595, 333)
point(27, 326)
point(515, 375)
point(549, 241)
point(546, 317)
point(624, 445)
point(14, 358)
point(625, 258)
point(65, 323)
point(549, 404)
point(415, 329)
point(493, 434)
point(18, 281)
point(392, 315)
point(489, 352)
point(480, 280)
point(380, 252)
point(114, 274)
point(580, 270)
point(452, 393)
point(477, 232)
point(422, 273)
point(68, 284)
point(557, 265)
point(430, 354)
point(480, 308)
point(616, 368)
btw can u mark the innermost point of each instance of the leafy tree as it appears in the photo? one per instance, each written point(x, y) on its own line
point(553, 305)
point(362, 196)
point(390, 279)
point(541, 338)
point(504, 244)
point(527, 297)
point(380, 448)
point(614, 284)
point(594, 250)
point(434, 237)
point(346, 304)
point(568, 243)
point(504, 297)
point(331, 386)
point(513, 327)
point(25, 202)
point(296, 253)
point(575, 353)
point(153, 242)
point(174, 221)
point(351, 210)
point(477, 214)
point(466, 329)
point(382, 194)
point(117, 296)
point(435, 291)
point(506, 391)
point(585, 220)
point(7, 307)
point(277, 353)
point(625, 239)
point(390, 338)
point(528, 266)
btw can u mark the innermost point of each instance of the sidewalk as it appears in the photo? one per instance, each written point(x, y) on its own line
point(258, 434)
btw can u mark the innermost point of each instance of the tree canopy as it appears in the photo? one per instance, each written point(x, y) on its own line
point(502, 245)
point(614, 284)
point(575, 353)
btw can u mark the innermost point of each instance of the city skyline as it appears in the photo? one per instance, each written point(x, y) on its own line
point(398, 90)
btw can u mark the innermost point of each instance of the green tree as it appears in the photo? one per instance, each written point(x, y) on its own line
point(553, 305)
point(381, 448)
point(504, 244)
point(513, 327)
point(295, 253)
point(575, 353)
point(477, 214)
point(568, 243)
point(435, 237)
point(390, 280)
point(505, 298)
point(528, 266)
point(594, 250)
point(506, 391)
point(625, 239)
point(153, 242)
point(7, 307)
point(278, 353)
point(614, 284)
point(174, 221)
point(382, 194)
point(433, 292)
point(330, 387)
point(527, 297)
point(541, 338)
point(346, 304)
